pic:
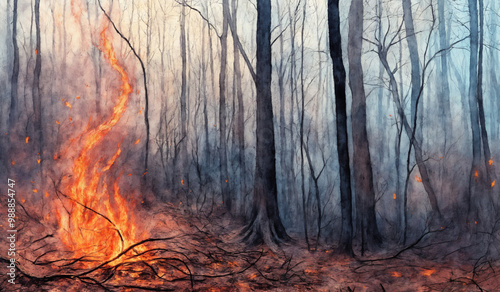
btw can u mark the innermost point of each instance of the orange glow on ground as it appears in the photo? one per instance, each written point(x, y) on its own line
point(428, 273)
point(396, 274)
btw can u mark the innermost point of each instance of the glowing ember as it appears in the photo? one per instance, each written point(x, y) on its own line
point(428, 273)
point(476, 174)
point(182, 182)
point(492, 183)
point(35, 191)
point(57, 122)
point(78, 97)
point(490, 162)
point(396, 274)
point(137, 142)
point(394, 196)
point(99, 224)
point(27, 139)
point(418, 179)
point(68, 104)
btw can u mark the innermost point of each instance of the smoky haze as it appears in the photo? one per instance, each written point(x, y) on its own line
point(431, 99)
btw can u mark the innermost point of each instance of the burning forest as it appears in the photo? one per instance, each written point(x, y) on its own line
point(249, 145)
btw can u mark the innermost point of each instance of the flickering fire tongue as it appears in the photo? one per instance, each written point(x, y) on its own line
point(98, 224)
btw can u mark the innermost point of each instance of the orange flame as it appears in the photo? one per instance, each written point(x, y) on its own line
point(68, 105)
point(105, 226)
point(27, 139)
point(57, 122)
point(418, 179)
point(492, 183)
point(428, 273)
point(490, 162)
point(394, 196)
point(476, 174)
point(137, 142)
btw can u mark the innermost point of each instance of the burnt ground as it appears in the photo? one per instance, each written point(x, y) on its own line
point(187, 252)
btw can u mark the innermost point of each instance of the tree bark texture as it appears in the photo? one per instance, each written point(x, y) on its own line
point(363, 177)
point(265, 225)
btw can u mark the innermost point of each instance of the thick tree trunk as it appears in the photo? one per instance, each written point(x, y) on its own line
point(339, 77)
point(265, 225)
point(363, 177)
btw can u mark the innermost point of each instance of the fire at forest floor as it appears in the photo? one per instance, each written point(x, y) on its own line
point(187, 252)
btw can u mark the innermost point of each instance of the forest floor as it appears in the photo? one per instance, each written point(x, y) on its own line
point(196, 253)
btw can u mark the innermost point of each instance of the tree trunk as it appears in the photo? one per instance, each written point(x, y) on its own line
point(183, 147)
point(226, 198)
point(282, 124)
point(490, 170)
point(36, 94)
point(339, 76)
point(240, 113)
point(381, 113)
point(15, 72)
point(443, 81)
point(265, 225)
point(363, 177)
point(474, 116)
point(495, 86)
point(301, 126)
point(411, 39)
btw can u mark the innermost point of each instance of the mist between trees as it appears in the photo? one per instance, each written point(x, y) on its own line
point(234, 105)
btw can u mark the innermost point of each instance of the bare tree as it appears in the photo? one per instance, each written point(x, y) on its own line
point(339, 77)
point(265, 224)
point(36, 93)
point(182, 168)
point(240, 112)
point(363, 177)
point(227, 199)
point(474, 111)
point(15, 70)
